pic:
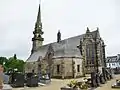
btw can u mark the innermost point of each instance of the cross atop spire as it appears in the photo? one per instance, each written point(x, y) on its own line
point(39, 15)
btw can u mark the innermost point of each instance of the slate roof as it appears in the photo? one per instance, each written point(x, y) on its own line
point(111, 59)
point(65, 48)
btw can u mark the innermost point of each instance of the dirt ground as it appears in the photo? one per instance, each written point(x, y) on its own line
point(56, 84)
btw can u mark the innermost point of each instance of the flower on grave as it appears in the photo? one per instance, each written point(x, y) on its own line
point(83, 86)
point(73, 84)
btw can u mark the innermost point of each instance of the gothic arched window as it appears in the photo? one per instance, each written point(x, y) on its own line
point(90, 53)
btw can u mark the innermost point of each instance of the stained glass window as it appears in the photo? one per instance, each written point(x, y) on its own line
point(90, 54)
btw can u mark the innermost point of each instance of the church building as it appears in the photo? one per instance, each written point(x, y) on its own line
point(69, 58)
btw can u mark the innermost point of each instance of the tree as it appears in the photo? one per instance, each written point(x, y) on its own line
point(15, 64)
point(12, 63)
point(2, 60)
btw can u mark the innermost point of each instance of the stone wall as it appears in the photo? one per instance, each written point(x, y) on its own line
point(57, 61)
point(66, 67)
point(78, 61)
point(29, 66)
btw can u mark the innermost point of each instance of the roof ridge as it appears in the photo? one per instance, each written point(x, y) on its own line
point(70, 38)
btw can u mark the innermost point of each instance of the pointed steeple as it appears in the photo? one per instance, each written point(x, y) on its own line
point(37, 39)
point(38, 24)
point(39, 15)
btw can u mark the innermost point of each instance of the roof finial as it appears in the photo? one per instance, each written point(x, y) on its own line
point(97, 28)
point(58, 36)
point(87, 30)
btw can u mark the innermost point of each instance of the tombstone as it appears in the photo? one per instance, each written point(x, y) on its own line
point(6, 79)
point(102, 80)
point(2, 85)
point(45, 78)
point(97, 79)
point(17, 80)
point(111, 73)
point(93, 80)
point(107, 74)
point(116, 84)
point(6, 87)
point(32, 81)
point(29, 75)
point(104, 74)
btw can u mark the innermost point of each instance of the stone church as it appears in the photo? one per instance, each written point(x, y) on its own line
point(72, 57)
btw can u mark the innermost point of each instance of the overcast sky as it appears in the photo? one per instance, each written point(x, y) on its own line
point(18, 17)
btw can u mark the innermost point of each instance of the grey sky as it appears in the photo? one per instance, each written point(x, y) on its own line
point(17, 21)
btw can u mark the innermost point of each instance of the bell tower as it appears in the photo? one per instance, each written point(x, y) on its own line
point(37, 39)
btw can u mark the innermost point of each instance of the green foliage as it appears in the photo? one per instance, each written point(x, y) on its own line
point(12, 63)
point(3, 59)
point(76, 84)
point(83, 86)
point(73, 84)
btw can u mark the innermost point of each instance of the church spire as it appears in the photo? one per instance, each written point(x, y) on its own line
point(39, 15)
point(38, 24)
point(37, 39)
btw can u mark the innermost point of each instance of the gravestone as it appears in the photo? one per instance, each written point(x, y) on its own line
point(93, 80)
point(32, 80)
point(2, 85)
point(6, 87)
point(111, 73)
point(45, 78)
point(17, 80)
point(102, 80)
point(104, 74)
point(97, 79)
point(6, 79)
point(116, 84)
point(107, 74)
